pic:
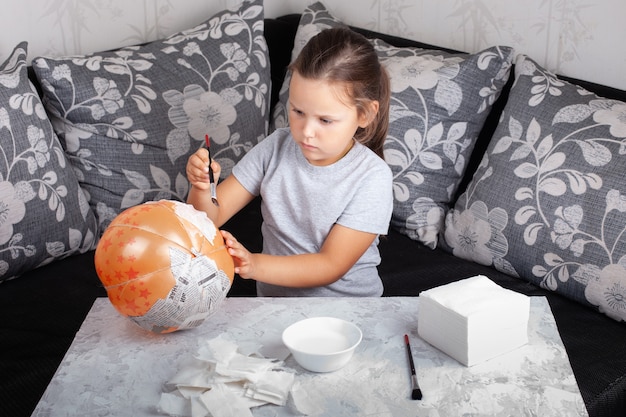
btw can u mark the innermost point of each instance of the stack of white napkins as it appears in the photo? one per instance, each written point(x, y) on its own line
point(220, 381)
point(474, 319)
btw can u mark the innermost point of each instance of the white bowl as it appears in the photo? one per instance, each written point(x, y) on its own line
point(322, 344)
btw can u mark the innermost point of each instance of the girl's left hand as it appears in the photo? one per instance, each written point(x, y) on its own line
point(244, 264)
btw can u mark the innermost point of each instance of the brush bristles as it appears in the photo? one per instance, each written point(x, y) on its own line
point(417, 394)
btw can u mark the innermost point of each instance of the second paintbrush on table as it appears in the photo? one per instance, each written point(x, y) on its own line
point(416, 392)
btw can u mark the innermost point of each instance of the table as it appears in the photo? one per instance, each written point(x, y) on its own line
point(115, 368)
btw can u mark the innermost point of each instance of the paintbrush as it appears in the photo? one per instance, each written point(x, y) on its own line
point(211, 179)
point(416, 394)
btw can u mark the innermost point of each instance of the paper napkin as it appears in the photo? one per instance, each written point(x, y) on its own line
point(220, 381)
point(474, 319)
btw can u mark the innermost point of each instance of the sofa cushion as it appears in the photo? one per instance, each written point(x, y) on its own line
point(548, 202)
point(439, 104)
point(440, 101)
point(130, 118)
point(44, 214)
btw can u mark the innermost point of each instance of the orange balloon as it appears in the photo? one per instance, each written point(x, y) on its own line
point(164, 265)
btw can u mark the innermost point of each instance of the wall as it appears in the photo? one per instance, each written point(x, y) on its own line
point(579, 38)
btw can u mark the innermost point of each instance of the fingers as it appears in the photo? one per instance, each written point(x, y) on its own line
point(197, 169)
point(217, 170)
point(240, 254)
point(235, 248)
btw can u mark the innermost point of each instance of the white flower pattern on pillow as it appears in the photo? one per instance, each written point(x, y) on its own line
point(614, 116)
point(608, 289)
point(418, 72)
point(478, 233)
point(12, 211)
point(198, 111)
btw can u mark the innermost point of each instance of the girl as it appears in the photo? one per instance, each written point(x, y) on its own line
point(326, 191)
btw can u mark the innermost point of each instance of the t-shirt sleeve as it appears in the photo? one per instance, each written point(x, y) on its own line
point(372, 204)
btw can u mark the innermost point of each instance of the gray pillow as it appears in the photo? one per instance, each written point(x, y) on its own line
point(439, 104)
point(130, 118)
point(548, 202)
point(44, 214)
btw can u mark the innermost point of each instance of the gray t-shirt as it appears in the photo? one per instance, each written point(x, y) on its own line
point(301, 202)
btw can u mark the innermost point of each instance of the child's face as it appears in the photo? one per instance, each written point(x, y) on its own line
point(322, 119)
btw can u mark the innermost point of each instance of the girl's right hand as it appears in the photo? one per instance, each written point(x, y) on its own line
point(198, 169)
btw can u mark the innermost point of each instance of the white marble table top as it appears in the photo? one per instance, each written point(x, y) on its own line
point(115, 368)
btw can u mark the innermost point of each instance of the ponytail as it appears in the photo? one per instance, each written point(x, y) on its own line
point(375, 134)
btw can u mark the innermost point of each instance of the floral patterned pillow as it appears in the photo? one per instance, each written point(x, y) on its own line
point(548, 202)
point(130, 118)
point(44, 214)
point(439, 104)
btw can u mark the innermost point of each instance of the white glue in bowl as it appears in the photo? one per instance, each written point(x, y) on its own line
point(322, 344)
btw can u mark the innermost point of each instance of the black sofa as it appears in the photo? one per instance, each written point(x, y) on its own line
point(43, 309)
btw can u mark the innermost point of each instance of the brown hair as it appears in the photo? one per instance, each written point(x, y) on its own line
point(344, 56)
